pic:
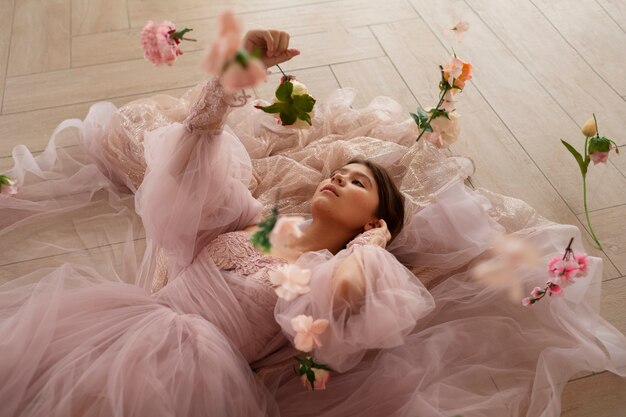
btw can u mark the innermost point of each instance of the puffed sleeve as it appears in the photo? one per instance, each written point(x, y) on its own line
point(393, 301)
point(196, 182)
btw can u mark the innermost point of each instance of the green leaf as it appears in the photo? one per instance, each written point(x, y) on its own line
point(599, 144)
point(261, 238)
point(272, 108)
point(284, 90)
point(581, 164)
point(4, 180)
point(423, 115)
point(180, 33)
point(303, 103)
point(242, 58)
point(306, 117)
point(288, 115)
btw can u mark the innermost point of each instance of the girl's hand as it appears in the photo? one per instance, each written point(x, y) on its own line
point(274, 46)
point(377, 234)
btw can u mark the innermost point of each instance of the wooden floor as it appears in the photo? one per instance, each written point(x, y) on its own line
point(541, 68)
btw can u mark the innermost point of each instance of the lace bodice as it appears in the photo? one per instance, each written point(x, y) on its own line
point(234, 252)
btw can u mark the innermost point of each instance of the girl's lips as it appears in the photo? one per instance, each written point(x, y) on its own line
point(331, 189)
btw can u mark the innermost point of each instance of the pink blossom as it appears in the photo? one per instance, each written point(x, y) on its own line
point(10, 189)
point(526, 301)
point(224, 48)
point(157, 45)
point(308, 332)
point(285, 230)
point(536, 292)
point(599, 157)
point(454, 68)
point(458, 30)
point(554, 288)
point(581, 259)
point(237, 77)
point(563, 269)
point(292, 281)
point(321, 378)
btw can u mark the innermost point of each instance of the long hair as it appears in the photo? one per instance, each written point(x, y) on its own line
point(390, 199)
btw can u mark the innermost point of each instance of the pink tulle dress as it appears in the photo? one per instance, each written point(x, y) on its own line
point(161, 306)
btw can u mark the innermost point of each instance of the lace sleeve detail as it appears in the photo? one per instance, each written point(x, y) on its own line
point(209, 111)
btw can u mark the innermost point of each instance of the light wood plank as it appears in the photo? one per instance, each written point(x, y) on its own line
point(141, 11)
point(610, 228)
point(502, 165)
point(20, 128)
point(529, 112)
point(557, 72)
point(40, 38)
point(372, 78)
point(135, 77)
point(616, 9)
point(6, 24)
point(98, 16)
point(601, 395)
point(600, 43)
point(124, 45)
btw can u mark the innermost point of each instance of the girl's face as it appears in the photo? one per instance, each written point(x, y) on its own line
point(349, 197)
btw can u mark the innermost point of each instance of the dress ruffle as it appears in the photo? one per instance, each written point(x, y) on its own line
point(88, 338)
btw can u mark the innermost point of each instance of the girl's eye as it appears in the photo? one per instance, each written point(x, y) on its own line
point(357, 182)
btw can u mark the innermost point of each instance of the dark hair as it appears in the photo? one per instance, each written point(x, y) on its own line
point(390, 199)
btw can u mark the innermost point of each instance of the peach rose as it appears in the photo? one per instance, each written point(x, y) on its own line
point(308, 332)
point(321, 378)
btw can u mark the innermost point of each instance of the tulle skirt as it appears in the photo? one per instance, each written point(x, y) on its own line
point(81, 334)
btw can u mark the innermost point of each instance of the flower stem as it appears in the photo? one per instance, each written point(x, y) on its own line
point(445, 90)
point(281, 70)
point(593, 235)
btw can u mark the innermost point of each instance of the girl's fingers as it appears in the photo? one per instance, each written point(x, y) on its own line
point(269, 42)
point(283, 42)
point(276, 43)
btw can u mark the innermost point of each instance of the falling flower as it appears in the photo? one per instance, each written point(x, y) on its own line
point(161, 42)
point(225, 47)
point(237, 76)
point(564, 269)
point(458, 30)
point(308, 332)
point(8, 186)
point(292, 105)
point(321, 378)
point(291, 280)
point(501, 271)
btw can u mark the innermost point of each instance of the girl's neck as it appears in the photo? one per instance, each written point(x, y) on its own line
point(323, 235)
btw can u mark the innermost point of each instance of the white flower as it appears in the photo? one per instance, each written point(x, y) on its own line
point(298, 88)
point(445, 130)
point(285, 231)
point(291, 280)
point(308, 332)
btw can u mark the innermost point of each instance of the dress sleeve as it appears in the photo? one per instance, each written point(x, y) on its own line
point(196, 182)
point(393, 302)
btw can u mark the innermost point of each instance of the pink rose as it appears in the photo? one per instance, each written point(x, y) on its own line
point(598, 157)
point(236, 77)
point(321, 378)
point(564, 270)
point(157, 45)
point(308, 332)
point(581, 259)
point(224, 48)
point(292, 281)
